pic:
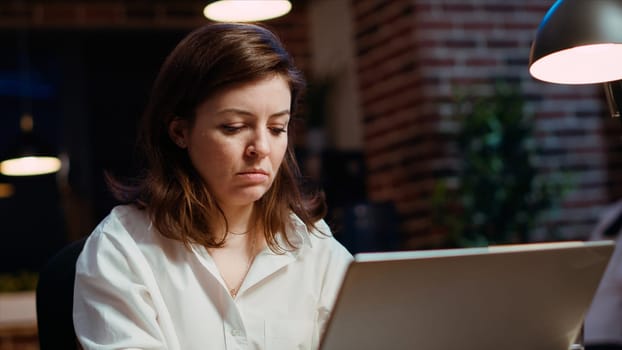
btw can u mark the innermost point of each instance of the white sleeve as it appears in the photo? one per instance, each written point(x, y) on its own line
point(337, 261)
point(113, 308)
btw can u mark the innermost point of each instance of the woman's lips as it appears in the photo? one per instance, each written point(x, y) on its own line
point(254, 176)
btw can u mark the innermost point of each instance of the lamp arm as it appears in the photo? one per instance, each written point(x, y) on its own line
point(613, 92)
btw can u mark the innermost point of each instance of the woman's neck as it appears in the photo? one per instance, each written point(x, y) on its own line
point(240, 219)
point(243, 231)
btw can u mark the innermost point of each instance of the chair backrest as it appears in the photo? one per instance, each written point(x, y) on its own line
point(55, 299)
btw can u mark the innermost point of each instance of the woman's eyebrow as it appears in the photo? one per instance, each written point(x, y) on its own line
point(238, 111)
point(282, 113)
point(234, 111)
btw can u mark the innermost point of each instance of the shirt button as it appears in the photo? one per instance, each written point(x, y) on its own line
point(236, 332)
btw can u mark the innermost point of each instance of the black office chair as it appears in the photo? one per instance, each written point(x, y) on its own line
point(55, 299)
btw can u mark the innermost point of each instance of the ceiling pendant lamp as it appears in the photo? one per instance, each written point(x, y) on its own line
point(29, 155)
point(246, 10)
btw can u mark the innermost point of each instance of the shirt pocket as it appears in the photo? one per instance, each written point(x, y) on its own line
point(289, 334)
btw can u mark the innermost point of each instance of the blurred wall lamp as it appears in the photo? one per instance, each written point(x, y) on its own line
point(246, 10)
point(580, 42)
point(29, 155)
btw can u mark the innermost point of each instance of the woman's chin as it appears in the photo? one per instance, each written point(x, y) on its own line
point(247, 197)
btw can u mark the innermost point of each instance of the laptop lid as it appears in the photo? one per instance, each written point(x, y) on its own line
point(526, 296)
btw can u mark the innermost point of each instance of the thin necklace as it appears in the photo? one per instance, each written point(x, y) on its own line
point(240, 233)
point(234, 291)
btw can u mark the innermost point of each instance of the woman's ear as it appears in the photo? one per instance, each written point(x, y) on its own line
point(177, 131)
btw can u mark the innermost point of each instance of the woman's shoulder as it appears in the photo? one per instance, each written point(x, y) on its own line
point(122, 223)
point(126, 234)
point(319, 239)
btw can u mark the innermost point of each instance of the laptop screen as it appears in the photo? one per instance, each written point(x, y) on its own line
point(526, 296)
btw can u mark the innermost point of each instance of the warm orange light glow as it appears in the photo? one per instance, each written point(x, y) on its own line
point(27, 166)
point(246, 10)
point(6, 190)
point(587, 64)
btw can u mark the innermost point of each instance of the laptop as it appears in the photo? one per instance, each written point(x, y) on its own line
point(523, 297)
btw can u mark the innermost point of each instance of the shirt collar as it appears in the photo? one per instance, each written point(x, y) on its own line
point(297, 233)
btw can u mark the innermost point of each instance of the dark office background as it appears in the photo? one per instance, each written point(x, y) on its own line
point(105, 75)
point(89, 68)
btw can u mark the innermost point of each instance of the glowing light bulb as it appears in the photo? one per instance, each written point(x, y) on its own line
point(246, 10)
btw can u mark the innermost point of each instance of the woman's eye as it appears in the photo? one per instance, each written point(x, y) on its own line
point(231, 129)
point(278, 130)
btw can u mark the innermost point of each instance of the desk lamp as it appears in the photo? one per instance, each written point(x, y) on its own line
point(580, 42)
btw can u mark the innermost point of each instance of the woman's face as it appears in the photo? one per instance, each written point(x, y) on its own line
point(239, 139)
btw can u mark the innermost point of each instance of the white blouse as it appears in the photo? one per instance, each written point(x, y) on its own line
point(136, 289)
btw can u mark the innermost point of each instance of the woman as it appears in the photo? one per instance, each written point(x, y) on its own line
point(216, 247)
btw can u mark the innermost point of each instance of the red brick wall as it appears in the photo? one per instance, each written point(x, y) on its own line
point(413, 55)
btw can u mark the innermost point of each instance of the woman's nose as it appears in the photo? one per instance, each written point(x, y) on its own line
point(259, 146)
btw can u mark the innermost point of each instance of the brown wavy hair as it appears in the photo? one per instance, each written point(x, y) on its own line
point(209, 59)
